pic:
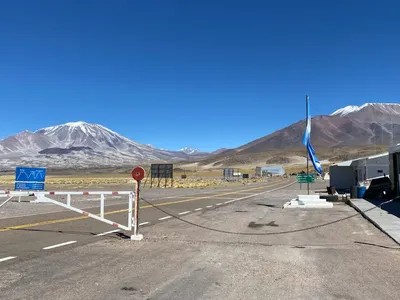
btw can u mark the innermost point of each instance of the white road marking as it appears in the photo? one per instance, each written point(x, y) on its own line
point(144, 223)
point(197, 209)
point(7, 258)
point(108, 232)
point(59, 245)
point(219, 204)
point(257, 194)
point(230, 201)
point(164, 218)
point(184, 212)
point(209, 206)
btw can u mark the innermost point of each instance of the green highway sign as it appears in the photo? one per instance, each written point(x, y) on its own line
point(304, 178)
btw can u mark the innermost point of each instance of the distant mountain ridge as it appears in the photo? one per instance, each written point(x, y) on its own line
point(351, 126)
point(371, 123)
point(81, 145)
point(383, 107)
point(85, 145)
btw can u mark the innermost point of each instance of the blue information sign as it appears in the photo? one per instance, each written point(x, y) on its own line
point(29, 186)
point(30, 178)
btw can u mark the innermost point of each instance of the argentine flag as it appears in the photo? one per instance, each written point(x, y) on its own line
point(307, 143)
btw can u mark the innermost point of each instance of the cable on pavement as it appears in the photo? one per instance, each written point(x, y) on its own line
point(258, 233)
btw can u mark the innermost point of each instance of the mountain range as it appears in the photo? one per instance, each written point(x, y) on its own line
point(349, 132)
point(85, 145)
point(82, 145)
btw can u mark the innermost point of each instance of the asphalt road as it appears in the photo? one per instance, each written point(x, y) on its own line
point(245, 249)
point(35, 235)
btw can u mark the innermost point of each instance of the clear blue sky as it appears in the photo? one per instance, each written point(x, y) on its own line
point(205, 74)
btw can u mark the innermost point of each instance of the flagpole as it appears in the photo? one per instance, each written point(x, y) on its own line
point(308, 183)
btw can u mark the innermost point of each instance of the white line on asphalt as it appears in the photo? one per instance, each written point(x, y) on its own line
point(257, 194)
point(59, 245)
point(197, 209)
point(184, 212)
point(144, 223)
point(208, 206)
point(7, 258)
point(108, 232)
point(219, 204)
point(164, 218)
point(229, 201)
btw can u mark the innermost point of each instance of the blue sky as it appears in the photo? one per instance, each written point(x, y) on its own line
point(206, 74)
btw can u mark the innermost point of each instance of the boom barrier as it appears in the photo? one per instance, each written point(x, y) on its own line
point(46, 197)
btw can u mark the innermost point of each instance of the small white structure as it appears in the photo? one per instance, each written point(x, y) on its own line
point(308, 201)
point(270, 171)
point(349, 173)
point(394, 158)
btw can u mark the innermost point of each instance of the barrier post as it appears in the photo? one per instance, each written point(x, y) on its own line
point(137, 175)
point(130, 214)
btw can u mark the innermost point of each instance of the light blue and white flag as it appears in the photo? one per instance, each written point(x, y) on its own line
point(307, 143)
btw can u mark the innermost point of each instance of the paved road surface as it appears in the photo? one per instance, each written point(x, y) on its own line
point(270, 253)
point(26, 237)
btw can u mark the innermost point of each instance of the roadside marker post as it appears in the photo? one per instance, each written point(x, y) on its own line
point(137, 174)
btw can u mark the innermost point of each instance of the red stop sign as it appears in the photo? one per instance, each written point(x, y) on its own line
point(138, 173)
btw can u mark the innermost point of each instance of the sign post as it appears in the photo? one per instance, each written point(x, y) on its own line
point(137, 175)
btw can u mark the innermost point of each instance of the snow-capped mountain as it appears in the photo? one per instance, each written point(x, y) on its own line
point(79, 144)
point(385, 108)
point(347, 129)
point(96, 137)
point(368, 124)
point(189, 150)
point(346, 110)
point(24, 142)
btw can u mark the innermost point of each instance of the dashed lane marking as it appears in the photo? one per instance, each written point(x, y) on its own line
point(7, 258)
point(59, 245)
point(184, 212)
point(108, 232)
point(144, 223)
point(197, 209)
point(164, 218)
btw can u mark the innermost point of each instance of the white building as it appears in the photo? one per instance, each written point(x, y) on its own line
point(270, 171)
point(349, 173)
